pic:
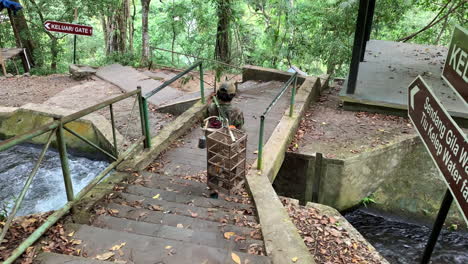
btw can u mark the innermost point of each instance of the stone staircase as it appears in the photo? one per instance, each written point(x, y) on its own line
point(168, 217)
point(157, 218)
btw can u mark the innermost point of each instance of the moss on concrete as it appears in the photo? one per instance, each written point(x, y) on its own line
point(95, 128)
point(401, 175)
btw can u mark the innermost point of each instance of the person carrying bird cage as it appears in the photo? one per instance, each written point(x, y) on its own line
point(222, 108)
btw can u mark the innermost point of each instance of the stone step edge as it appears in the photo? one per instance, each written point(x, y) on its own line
point(231, 239)
point(228, 226)
point(72, 227)
point(189, 196)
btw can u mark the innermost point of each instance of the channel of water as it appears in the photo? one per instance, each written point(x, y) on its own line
point(47, 191)
point(401, 242)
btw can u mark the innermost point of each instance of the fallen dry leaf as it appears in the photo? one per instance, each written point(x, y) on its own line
point(156, 207)
point(235, 258)
point(117, 247)
point(105, 256)
point(114, 211)
point(294, 259)
point(228, 235)
point(156, 196)
point(76, 242)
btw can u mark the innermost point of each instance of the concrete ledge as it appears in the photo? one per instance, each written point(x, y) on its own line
point(282, 240)
point(351, 103)
point(165, 137)
point(178, 108)
point(94, 127)
point(353, 233)
point(256, 73)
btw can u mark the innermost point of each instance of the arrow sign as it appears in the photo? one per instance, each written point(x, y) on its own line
point(413, 92)
point(75, 29)
point(443, 139)
point(455, 71)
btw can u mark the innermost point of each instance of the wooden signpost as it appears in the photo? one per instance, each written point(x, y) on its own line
point(68, 28)
point(446, 143)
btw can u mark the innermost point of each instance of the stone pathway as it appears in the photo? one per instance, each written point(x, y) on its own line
point(126, 112)
point(165, 215)
point(128, 78)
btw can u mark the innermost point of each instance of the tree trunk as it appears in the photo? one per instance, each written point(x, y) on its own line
point(115, 28)
point(22, 34)
point(131, 28)
point(54, 52)
point(222, 49)
point(145, 53)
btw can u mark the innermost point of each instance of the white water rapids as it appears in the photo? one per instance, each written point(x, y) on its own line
point(47, 191)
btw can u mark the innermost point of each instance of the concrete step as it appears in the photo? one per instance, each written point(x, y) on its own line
point(153, 180)
point(172, 196)
point(211, 239)
point(229, 216)
point(181, 185)
point(173, 220)
point(144, 249)
point(52, 258)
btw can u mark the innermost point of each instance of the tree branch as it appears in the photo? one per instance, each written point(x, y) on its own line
point(434, 22)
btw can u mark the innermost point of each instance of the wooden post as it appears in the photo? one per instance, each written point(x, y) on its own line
point(2, 62)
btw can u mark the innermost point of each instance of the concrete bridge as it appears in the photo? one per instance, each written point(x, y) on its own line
point(163, 214)
point(157, 209)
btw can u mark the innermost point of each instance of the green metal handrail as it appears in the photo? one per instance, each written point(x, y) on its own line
point(144, 99)
point(267, 110)
point(57, 128)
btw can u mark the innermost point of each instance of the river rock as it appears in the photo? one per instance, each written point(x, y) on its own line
point(80, 72)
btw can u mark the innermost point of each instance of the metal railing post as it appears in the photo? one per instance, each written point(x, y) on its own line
point(114, 136)
point(143, 104)
point(260, 143)
point(293, 97)
point(62, 148)
point(202, 84)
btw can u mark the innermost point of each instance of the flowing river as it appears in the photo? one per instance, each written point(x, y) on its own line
point(47, 191)
point(403, 243)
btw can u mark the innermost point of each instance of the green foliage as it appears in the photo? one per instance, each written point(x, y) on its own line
point(368, 200)
point(316, 36)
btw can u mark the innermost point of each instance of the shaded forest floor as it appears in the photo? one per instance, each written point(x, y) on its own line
point(328, 128)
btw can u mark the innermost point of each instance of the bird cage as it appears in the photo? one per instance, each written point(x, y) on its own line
point(226, 160)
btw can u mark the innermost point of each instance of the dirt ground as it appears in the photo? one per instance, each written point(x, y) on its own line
point(16, 92)
point(60, 90)
point(329, 129)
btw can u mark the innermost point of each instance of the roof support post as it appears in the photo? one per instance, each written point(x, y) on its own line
point(359, 41)
point(369, 21)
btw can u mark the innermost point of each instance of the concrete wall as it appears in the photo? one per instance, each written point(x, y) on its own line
point(282, 240)
point(97, 129)
point(401, 176)
point(257, 73)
